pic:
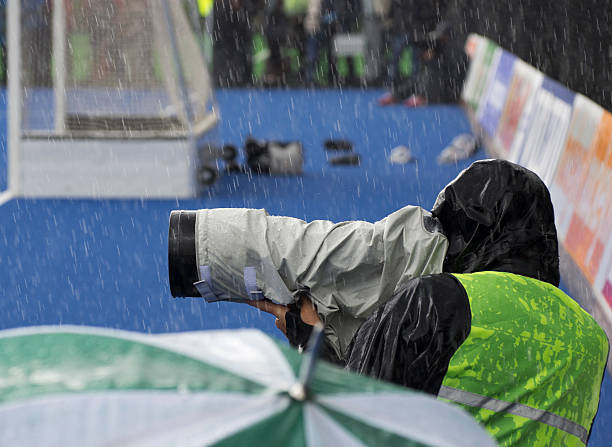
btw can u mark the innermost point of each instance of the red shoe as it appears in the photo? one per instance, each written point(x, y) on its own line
point(415, 101)
point(386, 100)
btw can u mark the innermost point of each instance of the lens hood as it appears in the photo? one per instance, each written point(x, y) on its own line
point(182, 263)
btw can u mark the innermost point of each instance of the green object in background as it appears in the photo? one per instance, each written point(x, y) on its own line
point(343, 65)
point(405, 63)
point(322, 70)
point(359, 66)
point(80, 52)
point(81, 56)
point(157, 69)
point(260, 56)
point(292, 55)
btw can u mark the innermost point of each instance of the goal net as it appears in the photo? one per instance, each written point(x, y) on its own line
point(105, 70)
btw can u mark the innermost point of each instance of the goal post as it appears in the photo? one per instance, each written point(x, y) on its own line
point(107, 98)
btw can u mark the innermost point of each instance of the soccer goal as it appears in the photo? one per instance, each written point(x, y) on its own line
point(107, 98)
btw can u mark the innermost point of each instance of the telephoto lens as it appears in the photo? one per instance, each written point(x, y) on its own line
point(182, 263)
point(215, 254)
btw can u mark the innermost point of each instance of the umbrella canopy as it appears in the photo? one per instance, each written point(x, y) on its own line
point(88, 386)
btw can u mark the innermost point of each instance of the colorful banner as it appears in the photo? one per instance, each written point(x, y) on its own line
point(495, 97)
point(582, 194)
point(472, 46)
point(588, 230)
point(565, 138)
point(539, 145)
point(483, 51)
point(596, 202)
point(572, 169)
point(525, 82)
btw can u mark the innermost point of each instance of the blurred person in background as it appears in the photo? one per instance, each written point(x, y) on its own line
point(232, 42)
point(282, 27)
point(438, 61)
point(324, 19)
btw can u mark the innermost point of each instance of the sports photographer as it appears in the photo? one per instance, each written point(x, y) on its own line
point(493, 332)
point(466, 307)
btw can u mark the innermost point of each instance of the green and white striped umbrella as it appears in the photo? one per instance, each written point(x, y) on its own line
point(88, 387)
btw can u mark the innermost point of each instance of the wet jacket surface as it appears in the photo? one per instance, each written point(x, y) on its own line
point(347, 269)
point(497, 216)
point(411, 339)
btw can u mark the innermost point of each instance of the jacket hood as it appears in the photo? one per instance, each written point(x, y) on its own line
point(499, 216)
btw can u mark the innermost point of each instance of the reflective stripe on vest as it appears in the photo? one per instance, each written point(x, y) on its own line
point(478, 401)
point(531, 368)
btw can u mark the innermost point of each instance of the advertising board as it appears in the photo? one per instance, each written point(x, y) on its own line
point(538, 145)
point(494, 99)
point(478, 74)
point(572, 170)
point(525, 81)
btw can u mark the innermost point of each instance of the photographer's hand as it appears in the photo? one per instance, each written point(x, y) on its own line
point(308, 313)
point(278, 310)
point(299, 332)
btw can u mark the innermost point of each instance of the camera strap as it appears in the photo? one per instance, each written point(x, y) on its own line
point(250, 284)
point(204, 285)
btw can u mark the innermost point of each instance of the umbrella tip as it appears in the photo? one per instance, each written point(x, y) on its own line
point(298, 392)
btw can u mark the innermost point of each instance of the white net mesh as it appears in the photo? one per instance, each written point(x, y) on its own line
point(130, 67)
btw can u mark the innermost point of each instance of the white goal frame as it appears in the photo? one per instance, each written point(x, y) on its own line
point(69, 164)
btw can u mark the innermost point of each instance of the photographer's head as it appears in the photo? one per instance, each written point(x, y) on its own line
point(499, 216)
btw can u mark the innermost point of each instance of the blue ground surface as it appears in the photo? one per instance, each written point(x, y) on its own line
point(104, 263)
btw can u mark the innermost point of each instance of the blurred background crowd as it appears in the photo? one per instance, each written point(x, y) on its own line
point(412, 47)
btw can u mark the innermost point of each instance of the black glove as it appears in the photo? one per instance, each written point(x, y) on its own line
point(298, 332)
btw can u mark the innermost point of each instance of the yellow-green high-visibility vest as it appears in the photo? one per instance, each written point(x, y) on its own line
point(204, 7)
point(531, 368)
